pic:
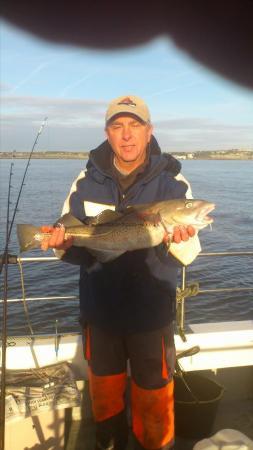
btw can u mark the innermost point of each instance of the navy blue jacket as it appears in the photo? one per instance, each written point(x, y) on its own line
point(136, 291)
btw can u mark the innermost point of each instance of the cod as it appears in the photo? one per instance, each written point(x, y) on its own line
point(110, 234)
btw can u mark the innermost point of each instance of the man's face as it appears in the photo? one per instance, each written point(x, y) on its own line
point(129, 138)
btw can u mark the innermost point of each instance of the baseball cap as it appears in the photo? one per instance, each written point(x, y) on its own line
point(130, 104)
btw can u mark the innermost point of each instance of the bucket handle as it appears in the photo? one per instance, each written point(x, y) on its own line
point(189, 352)
point(180, 372)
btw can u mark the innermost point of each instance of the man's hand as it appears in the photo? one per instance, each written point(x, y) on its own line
point(57, 239)
point(182, 233)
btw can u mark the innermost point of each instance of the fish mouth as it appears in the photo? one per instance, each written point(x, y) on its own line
point(202, 217)
point(198, 219)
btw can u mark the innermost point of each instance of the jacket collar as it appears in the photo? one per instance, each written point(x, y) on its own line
point(100, 160)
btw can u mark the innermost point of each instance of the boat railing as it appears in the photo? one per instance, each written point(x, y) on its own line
point(183, 289)
point(183, 292)
point(36, 259)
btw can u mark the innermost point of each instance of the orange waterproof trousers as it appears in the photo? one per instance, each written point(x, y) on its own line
point(152, 357)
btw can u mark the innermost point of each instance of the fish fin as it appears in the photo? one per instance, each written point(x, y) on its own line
point(105, 216)
point(26, 237)
point(105, 256)
point(69, 221)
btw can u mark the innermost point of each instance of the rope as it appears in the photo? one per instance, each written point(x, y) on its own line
point(24, 297)
point(189, 291)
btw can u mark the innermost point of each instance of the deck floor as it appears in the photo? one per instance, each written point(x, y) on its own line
point(230, 414)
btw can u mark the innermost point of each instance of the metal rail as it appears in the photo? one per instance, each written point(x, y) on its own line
point(226, 254)
point(34, 299)
point(181, 304)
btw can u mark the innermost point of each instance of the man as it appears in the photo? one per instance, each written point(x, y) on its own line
point(127, 305)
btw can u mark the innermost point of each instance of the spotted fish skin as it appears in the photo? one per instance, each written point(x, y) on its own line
point(111, 233)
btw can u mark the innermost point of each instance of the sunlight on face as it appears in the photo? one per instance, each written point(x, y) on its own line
point(129, 138)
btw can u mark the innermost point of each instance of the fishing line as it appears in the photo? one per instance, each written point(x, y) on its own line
point(4, 263)
point(10, 226)
point(26, 311)
point(4, 320)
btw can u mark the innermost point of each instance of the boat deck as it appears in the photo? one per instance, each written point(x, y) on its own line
point(235, 411)
point(236, 415)
point(73, 428)
point(226, 356)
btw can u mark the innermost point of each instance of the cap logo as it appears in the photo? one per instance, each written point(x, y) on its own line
point(127, 101)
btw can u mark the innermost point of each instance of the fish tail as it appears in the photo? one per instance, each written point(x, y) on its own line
point(28, 237)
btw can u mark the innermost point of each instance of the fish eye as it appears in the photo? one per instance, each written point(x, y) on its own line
point(189, 205)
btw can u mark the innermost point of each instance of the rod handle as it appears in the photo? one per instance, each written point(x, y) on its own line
point(12, 259)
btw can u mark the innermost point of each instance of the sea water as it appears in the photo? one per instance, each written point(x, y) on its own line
point(229, 184)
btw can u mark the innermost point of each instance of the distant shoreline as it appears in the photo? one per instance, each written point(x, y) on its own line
point(45, 155)
point(205, 155)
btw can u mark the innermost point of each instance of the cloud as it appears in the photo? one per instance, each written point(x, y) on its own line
point(61, 111)
point(73, 124)
point(189, 123)
point(202, 134)
point(21, 137)
point(77, 124)
point(54, 103)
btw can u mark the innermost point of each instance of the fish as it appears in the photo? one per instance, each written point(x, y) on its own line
point(112, 233)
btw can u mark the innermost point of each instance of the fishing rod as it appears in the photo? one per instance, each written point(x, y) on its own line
point(4, 324)
point(19, 193)
point(4, 263)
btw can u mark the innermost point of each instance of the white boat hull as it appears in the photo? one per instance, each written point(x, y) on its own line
point(223, 344)
point(224, 347)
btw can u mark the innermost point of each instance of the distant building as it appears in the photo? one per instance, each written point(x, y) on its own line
point(180, 156)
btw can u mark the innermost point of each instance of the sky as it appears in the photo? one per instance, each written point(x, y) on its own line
point(191, 107)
